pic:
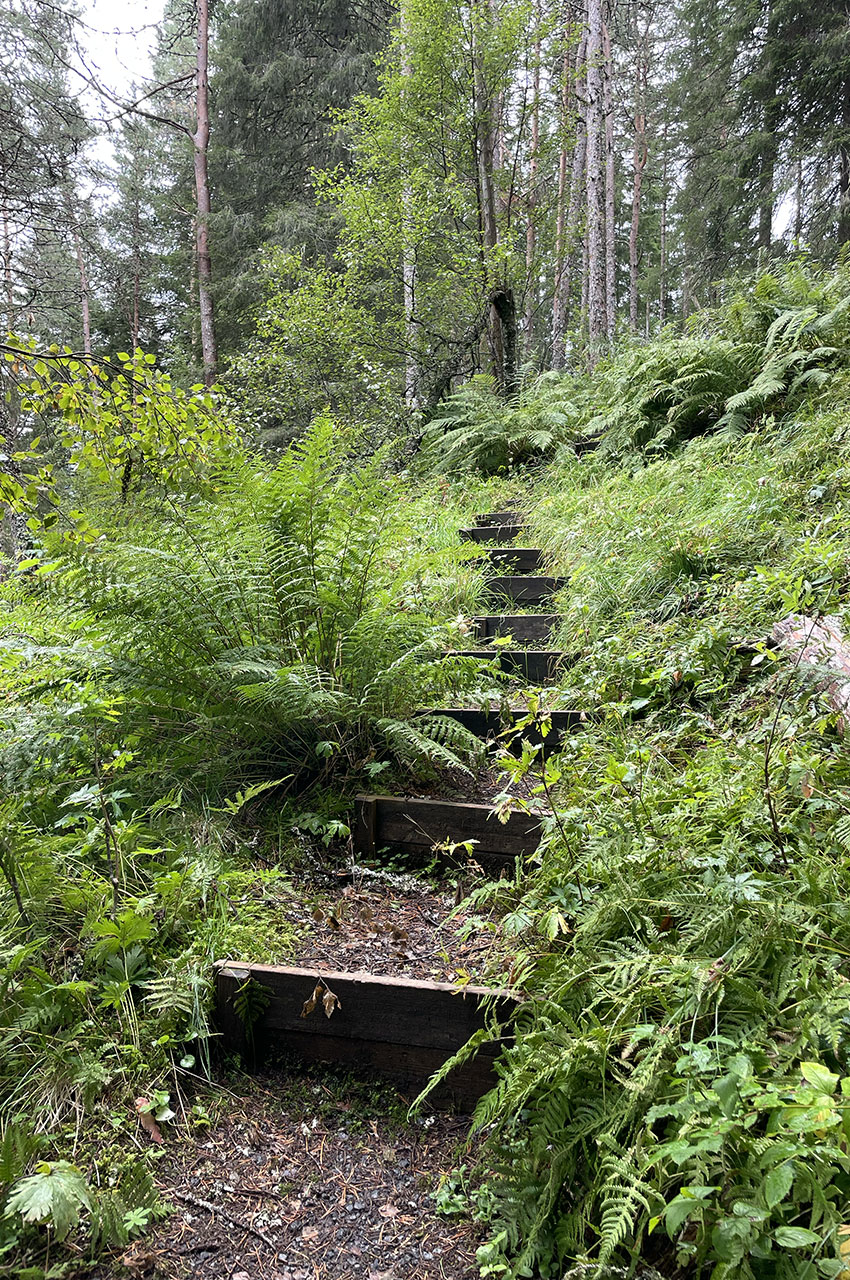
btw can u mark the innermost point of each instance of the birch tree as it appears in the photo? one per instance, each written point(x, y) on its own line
point(595, 183)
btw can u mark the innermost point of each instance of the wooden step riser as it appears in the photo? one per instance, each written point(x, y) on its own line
point(492, 533)
point(512, 560)
point(419, 826)
point(489, 726)
point(538, 666)
point(522, 627)
point(402, 1028)
point(525, 590)
point(498, 517)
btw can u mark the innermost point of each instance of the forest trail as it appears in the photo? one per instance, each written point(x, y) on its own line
point(314, 1172)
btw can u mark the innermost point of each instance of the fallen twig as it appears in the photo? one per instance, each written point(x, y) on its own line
point(229, 1217)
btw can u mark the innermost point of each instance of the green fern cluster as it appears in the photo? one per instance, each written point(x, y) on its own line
point(479, 430)
point(288, 628)
point(777, 339)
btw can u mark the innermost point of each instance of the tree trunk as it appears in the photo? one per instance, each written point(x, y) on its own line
point(500, 342)
point(798, 203)
point(639, 159)
point(596, 314)
point(85, 293)
point(200, 141)
point(568, 217)
point(18, 536)
point(610, 192)
point(844, 169)
point(770, 124)
point(408, 263)
point(531, 203)
point(662, 271)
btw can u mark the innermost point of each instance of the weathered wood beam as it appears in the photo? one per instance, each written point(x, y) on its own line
point(422, 824)
point(522, 626)
point(403, 1028)
point(519, 588)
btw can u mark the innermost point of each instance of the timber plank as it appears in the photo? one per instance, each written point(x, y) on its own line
point(497, 517)
point(491, 533)
point(526, 589)
point(513, 560)
point(522, 626)
point(404, 1027)
point(538, 666)
point(490, 724)
point(423, 823)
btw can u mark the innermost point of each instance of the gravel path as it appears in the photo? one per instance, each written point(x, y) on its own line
point(310, 1176)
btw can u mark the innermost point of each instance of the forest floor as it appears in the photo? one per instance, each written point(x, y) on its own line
point(308, 1175)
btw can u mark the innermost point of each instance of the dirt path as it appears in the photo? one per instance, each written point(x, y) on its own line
point(309, 1176)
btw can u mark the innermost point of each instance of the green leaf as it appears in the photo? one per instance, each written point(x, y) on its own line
point(777, 1184)
point(54, 1195)
point(726, 1089)
point(816, 1074)
point(795, 1237)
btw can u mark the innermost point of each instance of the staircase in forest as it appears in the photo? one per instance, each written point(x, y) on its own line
point(404, 1027)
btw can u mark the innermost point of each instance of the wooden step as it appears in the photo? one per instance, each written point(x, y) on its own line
point(402, 1028)
point(517, 560)
point(539, 666)
point(498, 517)
point(522, 589)
point(491, 533)
point(489, 725)
point(382, 822)
point(522, 626)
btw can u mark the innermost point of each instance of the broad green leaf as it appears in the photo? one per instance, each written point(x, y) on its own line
point(53, 1195)
point(795, 1237)
point(819, 1076)
point(777, 1184)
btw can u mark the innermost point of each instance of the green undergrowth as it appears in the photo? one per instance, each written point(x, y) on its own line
point(773, 340)
point(678, 1095)
point(190, 695)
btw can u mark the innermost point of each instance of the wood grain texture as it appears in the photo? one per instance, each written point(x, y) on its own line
point(526, 589)
point(403, 1027)
point(524, 627)
point(491, 533)
point(418, 824)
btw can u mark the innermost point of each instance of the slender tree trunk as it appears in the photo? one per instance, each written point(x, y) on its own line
point(18, 536)
point(639, 159)
point(501, 305)
point(572, 241)
point(596, 311)
point(568, 214)
point(408, 264)
point(662, 272)
point(770, 125)
point(201, 140)
point(533, 166)
point(135, 323)
point(798, 203)
point(844, 169)
point(76, 236)
point(610, 191)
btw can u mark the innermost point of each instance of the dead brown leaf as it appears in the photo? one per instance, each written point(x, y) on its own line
point(147, 1121)
point(330, 1001)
